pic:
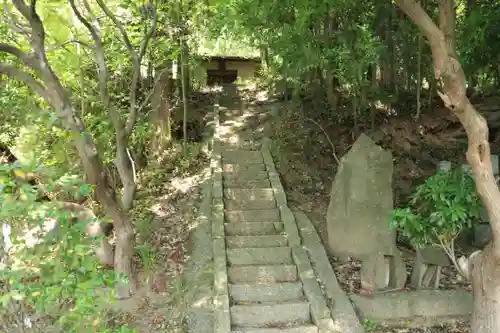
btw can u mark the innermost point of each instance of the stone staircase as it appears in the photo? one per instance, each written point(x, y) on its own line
point(264, 282)
point(265, 292)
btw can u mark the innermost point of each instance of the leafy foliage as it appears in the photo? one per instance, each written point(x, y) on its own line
point(440, 208)
point(479, 33)
point(51, 274)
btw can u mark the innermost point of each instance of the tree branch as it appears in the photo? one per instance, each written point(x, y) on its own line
point(73, 41)
point(95, 33)
point(38, 32)
point(429, 28)
point(149, 33)
point(20, 75)
point(445, 60)
point(25, 58)
point(119, 25)
point(39, 61)
point(132, 119)
point(135, 57)
point(103, 72)
point(14, 23)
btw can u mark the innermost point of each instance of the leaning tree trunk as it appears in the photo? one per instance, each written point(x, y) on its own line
point(104, 193)
point(483, 267)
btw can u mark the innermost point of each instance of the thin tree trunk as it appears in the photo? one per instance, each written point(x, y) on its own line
point(394, 76)
point(432, 92)
point(184, 96)
point(74, 33)
point(161, 105)
point(264, 57)
point(127, 171)
point(332, 94)
point(419, 74)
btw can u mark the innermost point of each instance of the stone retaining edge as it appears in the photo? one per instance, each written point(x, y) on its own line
point(342, 311)
point(222, 318)
point(419, 308)
point(320, 312)
point(279, 194)
point(199, 267)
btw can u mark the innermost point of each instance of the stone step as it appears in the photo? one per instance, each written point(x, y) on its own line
point(234, 177)
point(253, 228)
point(297, 329)
point(250, 205)
point(269, 315)
point(256, 204)
point(265, 274)
point(247, 168)
point(242, 195)
point(244, 183)
point(256, 241)
point(259, 256)
point(237, 156)
point(249, 198)
point(261, 215)
point(276, 292)
point(245, 145)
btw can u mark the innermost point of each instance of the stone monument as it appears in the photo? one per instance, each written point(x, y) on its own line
point(358, 217)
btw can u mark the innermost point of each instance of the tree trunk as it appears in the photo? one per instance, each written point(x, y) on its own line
point(160, 101)
point(484, 268)
point(105, 195)
point(184, 87)
point(393, 56)
point(419, 72)
point(264, 57)
point(332, 95)
point(384, 31)
point(126, 170)
point(182, 61)
point(447, 24)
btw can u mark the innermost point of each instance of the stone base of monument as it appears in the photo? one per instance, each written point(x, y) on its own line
point(421, 308)
point(427, 267)
point(380, 271)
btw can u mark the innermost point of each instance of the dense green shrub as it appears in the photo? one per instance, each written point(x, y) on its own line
point(440, 208)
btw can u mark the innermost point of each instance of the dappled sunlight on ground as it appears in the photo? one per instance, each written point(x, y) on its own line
point(159, 304)
point(243, 119)
point(178, 186)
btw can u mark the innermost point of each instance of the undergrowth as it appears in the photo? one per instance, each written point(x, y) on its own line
point(162, 215)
